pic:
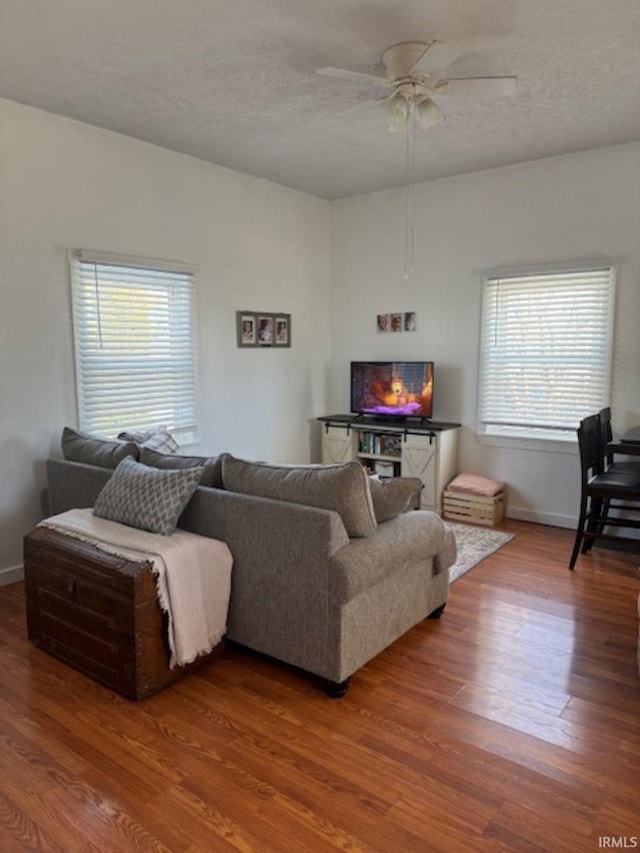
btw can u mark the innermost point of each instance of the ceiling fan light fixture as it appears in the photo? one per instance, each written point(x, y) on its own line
point(428, 112)
point(413, 70)
point(397, 112)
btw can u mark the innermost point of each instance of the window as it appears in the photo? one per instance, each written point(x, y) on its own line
point(545, 350)
point(133, 323)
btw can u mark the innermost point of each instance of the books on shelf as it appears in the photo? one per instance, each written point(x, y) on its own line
point(379, 445)
point(392, 445)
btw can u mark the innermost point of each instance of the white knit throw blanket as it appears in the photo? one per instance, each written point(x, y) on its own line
point(193, 576)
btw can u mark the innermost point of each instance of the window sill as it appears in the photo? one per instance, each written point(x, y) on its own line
point(537, 445)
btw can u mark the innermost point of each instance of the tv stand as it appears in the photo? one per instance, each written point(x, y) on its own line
point(419, 419)
point(413, 447)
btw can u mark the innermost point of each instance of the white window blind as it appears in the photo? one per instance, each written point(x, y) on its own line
point(545, 351)
point(134, 343)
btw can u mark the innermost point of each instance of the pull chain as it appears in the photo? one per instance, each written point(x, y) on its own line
point(410, 201)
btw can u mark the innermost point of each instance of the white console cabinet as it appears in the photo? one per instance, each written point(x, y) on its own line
point(427, 450)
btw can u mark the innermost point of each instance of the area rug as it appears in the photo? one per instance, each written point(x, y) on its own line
point(474, 545)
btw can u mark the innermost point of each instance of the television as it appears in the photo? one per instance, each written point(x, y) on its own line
point(394, 389)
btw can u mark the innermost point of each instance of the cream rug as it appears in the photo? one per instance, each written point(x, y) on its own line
point(474, 545)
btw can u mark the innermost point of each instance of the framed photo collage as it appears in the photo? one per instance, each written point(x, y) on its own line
point(263, 329)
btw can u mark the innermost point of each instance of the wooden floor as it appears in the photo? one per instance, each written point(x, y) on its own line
point(513, 723)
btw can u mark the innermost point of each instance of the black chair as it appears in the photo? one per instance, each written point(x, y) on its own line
point(609, 448)
point(601, 492)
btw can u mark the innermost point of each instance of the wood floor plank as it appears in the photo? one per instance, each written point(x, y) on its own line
point(511, 724)
point(22, 824)
point(100, 820)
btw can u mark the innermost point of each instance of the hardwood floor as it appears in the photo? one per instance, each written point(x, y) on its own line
point(513, 723)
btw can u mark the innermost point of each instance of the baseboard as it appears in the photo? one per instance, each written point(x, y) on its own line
point(552, 519)
point(557, 520)
point(11, 575)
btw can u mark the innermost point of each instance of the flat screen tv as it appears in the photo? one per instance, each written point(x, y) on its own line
point(396, 389)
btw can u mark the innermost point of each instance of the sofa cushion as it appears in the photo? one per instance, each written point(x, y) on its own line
point(341, 488)
point(211, 475)
point(147, 498)
point(394, 495)
point(158, 438)
point(80, 447)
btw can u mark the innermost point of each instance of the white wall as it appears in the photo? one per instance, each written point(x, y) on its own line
point(259, 247)
point(579, 206)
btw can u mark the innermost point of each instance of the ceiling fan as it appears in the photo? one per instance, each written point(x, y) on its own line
point(414, 70)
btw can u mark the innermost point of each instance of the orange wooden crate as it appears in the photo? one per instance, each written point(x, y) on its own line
point(458, 506)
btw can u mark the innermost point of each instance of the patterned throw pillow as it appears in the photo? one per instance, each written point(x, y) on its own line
point(159, 438)
point(147, 498)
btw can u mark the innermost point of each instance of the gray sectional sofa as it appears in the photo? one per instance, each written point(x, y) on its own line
point(318, 582)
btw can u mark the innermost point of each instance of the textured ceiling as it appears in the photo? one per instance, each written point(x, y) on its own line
point(233, 82)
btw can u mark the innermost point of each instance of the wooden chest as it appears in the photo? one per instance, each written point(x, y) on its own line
point(99, 613)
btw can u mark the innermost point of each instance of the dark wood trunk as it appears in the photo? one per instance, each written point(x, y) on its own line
point(99, 613)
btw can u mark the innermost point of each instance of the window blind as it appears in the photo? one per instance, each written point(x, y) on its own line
point(546, 350)
point(134, 346)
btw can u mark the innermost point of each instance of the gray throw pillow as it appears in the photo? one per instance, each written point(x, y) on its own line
point(147, 498)
point(211, 475)
point(394, 496)
point(341, 488)
point(91, 450)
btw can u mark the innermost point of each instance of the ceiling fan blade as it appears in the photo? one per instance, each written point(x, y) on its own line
point(354, 76)
point(488, 86)
point(362, 107)
point(436, 57)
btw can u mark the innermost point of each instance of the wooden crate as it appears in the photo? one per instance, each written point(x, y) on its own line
point(99, 613)
point(458, 506)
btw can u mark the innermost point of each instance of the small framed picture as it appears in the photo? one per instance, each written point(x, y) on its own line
point(410, 321)
point(246, 329)
point(282, 331)
point(396, 322)
point(263, 329)
point(383, 322)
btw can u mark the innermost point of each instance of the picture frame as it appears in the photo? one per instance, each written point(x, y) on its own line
point(398, 321)
point(410, 321)
point(282, 331)
point(246, 329)
point(263, 329)
point(382, 323)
